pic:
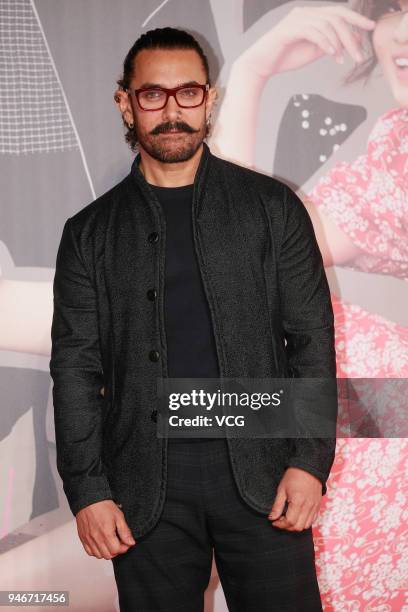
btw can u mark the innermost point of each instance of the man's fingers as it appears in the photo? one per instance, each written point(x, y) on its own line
point(291, 519)
point(106, 554)
point(302, 523)
point(311, 517)
point(280, 523)
point(278, 504)
point(88, 549)
point(124, 533)
point(104, 545)
point(115, 546)
point(293, 513)
point(93, 544)
point(303, 517)
point(115, 537)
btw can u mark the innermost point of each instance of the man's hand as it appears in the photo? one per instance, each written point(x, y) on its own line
point(304, 493)
point(99, 526)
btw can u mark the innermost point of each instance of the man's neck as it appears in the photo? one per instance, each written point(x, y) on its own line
point(169, 174)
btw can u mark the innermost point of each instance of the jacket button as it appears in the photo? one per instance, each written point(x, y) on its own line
point(151, 294)
point(154, 355)
point(153, 237)
point(153, 416)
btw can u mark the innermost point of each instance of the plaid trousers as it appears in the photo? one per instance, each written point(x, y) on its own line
point(261, 568)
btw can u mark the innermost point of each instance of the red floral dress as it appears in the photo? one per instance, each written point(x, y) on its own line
point(368, 200)
point(360, 535)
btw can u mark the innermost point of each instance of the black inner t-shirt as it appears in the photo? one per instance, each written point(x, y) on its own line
point(191, 349)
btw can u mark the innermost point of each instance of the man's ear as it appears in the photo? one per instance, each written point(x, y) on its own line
point(212, 95)
point(122, 102)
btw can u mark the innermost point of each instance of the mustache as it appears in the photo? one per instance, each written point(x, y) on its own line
point(178, 125)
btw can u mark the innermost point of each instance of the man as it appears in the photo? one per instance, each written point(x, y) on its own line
point(190, 267)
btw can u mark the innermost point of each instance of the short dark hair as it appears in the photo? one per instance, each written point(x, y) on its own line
point(159, 38)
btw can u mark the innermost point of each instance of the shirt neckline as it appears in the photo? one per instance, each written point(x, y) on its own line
point(171, 189)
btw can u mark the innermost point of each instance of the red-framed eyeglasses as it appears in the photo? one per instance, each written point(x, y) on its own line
point(155, 98)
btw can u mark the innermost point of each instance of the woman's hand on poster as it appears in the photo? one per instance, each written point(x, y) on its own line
point(304, 35)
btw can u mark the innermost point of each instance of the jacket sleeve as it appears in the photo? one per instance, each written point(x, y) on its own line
point(308, 324)
point(76, 370)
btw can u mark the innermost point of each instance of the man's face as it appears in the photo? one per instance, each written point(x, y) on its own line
point(155, 130)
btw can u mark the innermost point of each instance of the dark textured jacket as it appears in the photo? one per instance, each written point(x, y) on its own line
point(271, 311)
